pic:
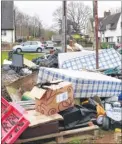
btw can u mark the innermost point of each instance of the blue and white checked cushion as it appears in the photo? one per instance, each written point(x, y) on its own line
point(84, 86)
point(108, 58)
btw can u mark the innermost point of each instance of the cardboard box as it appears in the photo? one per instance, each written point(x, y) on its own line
point(54, 98)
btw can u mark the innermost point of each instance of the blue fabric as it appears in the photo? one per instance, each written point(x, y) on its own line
point(120, 97)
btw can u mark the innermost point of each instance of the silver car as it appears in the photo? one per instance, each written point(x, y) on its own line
point(29, 46)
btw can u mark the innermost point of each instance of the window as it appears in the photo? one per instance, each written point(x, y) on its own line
point(119, 39)
point(108, 27)
point(33, 43)
point(110, 39)
point(102, 39)
point(3, 32)
point(26, 43)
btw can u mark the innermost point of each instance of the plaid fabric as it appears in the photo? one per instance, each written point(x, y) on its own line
point(108, 58)
point(82, 87)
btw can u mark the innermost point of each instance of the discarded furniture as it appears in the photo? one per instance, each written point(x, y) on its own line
point(67, 136)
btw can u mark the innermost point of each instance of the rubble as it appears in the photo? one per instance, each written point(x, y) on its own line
point(69, 98)
point(50, 61)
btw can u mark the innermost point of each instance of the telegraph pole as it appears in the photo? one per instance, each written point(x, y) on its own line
point(15, 25)
point(93, 26)
point(96, 32)
point(64, 27)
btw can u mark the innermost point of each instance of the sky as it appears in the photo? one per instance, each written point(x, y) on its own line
point(45, 9)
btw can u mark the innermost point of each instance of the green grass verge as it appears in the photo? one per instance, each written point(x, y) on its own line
point(29, 56)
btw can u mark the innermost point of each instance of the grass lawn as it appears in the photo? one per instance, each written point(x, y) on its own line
point(29, 56)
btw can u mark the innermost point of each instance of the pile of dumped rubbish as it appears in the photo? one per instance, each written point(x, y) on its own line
point(50, 60)
point(64, 92)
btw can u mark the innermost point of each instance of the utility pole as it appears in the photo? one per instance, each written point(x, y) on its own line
point(96, 32)
point(64, 27)
point(93, 26)
point(15, 25)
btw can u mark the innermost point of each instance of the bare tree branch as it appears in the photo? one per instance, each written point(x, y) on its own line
point(77, 13)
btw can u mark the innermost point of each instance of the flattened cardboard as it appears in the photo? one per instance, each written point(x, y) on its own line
point(37, 92)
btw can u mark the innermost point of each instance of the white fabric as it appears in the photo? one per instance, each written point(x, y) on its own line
point(7, 62)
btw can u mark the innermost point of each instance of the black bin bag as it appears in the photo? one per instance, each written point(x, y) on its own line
point(76, 115)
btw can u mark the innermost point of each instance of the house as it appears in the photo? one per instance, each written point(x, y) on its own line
point(58, 38)
point(109, 28)
point(90, 28)
point(7, 22)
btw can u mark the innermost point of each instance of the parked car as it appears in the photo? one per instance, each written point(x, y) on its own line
point(29, 46)
point(48, 44)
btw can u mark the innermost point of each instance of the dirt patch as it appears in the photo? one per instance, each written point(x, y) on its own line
point(105, 137)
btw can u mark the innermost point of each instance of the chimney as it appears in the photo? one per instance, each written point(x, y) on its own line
point(107, 13)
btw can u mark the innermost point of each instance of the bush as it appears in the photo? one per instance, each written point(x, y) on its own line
point(104, 45)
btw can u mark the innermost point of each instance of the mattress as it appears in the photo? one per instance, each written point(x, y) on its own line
point(108, 58)
point(62, 57)
point(85, 84)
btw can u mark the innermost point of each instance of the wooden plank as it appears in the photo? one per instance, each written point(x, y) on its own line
point(29, 63)
point(69, 132)
point(63, 133)
point(35, 118)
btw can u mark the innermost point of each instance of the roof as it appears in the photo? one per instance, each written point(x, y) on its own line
point(99, 20)
point(103, 22)
point(111, 19)
point(7, 15)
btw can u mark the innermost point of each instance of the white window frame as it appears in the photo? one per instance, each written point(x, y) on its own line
point(119, 38)
point(108, 26)
point(3, 33)
point(110, 39)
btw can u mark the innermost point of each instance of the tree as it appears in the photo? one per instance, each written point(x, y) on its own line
point(27, 25)
point(78, 15)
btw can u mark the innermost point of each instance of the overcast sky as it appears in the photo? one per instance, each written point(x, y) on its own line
point(45, 9)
